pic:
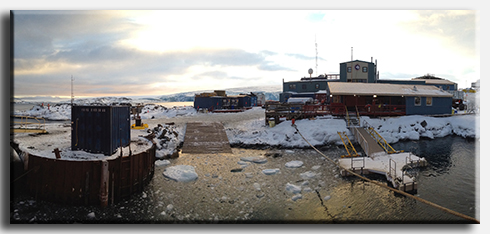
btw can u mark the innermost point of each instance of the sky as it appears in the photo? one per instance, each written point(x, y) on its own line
point(140, 52)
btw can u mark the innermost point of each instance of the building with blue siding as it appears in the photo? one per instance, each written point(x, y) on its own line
point(218, 100)
point(390, 99)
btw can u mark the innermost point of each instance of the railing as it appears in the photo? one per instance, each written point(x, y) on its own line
point(392, 171)
point(379, 110)
point(348, 145)
point(25, 126)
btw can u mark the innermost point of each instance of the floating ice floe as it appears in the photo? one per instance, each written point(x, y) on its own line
point(270, 171)
point(294, 164)
point(161, 162)
point(257, 186)
point(297, 197)
point(258, 160)
point(293, 188)
point(308, 175)
point(181, 173)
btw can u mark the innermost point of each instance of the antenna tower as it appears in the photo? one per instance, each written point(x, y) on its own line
point(72, 90)
point(316, 58)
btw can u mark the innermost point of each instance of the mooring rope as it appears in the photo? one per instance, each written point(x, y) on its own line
point(390, 188)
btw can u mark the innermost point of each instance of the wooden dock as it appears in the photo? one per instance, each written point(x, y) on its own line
point(203, 137)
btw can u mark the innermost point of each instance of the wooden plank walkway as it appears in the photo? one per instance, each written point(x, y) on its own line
point(205, 138)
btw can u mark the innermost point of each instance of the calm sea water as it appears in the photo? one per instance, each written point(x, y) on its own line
point(222, 194)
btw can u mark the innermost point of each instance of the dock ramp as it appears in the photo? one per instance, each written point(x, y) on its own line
point(379, 157)
point(203, 138)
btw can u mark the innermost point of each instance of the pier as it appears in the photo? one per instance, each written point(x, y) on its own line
point(379, 157)
point(201, 137)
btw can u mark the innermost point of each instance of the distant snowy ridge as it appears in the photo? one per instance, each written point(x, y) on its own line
point(270, 92)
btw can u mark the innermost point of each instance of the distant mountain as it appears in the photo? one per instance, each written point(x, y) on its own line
point(271, 93)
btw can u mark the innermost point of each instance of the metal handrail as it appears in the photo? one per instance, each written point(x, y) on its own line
point(24, 124)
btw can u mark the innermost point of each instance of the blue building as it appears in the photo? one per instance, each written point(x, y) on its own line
point(218, 100)
point(390, 99)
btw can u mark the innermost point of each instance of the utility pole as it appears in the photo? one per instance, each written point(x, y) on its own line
point(316, 58)
point(72, 90)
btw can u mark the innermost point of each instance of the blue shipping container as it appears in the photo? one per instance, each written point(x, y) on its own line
point(100, 129)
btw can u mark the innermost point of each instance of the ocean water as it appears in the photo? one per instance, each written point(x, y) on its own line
point(231, 190)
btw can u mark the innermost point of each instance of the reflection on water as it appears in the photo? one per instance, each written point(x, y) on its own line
point(222, 193)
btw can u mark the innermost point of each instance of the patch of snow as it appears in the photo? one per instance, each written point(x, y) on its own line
point(294, 164)
point(181, 173)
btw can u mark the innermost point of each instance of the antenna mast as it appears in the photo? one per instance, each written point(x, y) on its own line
point(72, 90)
point(316, 58)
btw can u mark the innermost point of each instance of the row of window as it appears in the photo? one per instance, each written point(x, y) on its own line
point(364, 69)
point(303, 86)
point(418, 101)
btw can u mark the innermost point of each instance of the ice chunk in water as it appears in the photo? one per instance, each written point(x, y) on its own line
point(294, 164)
point(270, 171)
point(293, 188)
point(181, 173)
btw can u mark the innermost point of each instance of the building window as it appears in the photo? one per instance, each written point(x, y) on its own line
point(349, 69)
point(292, 87)
point(364, 69)
point(417, 101)
point(337, 99)
point(428, 101)
point(303, 86)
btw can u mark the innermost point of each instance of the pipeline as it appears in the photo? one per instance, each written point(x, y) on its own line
point(390, 188)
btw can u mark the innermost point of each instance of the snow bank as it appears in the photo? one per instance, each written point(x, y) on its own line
point(181, 173)
point(320, 131)
point(160, 112)
point(168, 139)
point(63, 111)
point(56, 112)
point(413, 127)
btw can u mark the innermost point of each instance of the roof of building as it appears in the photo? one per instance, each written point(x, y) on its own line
point(435, 81)
point(364, 89)
point(355, 61)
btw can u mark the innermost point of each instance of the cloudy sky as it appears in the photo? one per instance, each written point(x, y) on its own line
point(131, 53)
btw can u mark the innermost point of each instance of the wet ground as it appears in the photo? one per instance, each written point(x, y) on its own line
point(230, 189)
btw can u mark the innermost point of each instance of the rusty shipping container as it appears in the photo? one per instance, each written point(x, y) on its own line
point(100, 129)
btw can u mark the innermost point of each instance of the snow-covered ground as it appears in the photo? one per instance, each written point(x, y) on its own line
point(248, 128)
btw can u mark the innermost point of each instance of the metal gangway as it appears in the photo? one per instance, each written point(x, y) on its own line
point(27, 124)
point(379, 156)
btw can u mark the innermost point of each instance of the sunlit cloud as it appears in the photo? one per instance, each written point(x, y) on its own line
point(159, 52)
